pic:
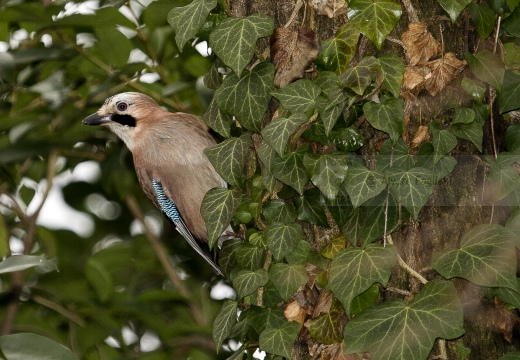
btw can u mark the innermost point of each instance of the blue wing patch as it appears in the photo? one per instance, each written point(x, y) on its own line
point(170, 210)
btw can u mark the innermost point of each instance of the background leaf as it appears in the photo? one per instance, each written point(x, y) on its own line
point(224, 322)
point(28, 346)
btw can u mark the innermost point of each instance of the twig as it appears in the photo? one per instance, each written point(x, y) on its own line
point(398, 291)
point(405, 266)
point(412, 14)
point(59, 309)
point(295, 12)
point(162, 255)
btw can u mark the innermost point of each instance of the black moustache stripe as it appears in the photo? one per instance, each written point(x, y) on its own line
point(126, 120)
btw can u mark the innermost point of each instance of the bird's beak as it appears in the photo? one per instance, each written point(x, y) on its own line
point(95, 119)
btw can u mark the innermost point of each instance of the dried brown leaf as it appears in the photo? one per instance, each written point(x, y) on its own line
point(421, 136)
point(292, 52)
point(413, 81)
point(294, 312)
point(419, 44)
point(324, 303)
point(330, 8)
point(444, 70)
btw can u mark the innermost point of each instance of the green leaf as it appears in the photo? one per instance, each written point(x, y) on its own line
point(487, 67)
point(443, 142)
point(108, 39)
point(27, 346)
point(376, 19)
point(513, 355)
point(279, 341)
point(483, 18)
point(290, 170)
point(234, 39)
point(472, 132)
point(327, 328)
point(463, 116)
point(249, 256)
point(476, 91)
point(387, 117)
point(513, 137)
point(327, 172)
point(503, 177)
point(365, 300)
point(21, 262)
point(453, 7)
point(347, 139)
point(299, 254)
point(229, 157)
point(262, 318)
point(509, 99)
point(282, 238)
point(337, 52)
point(396, 330)
point(363, 184)
point(375, 214)
point(100, 279)
point(512, 23)
point(354, 270)
point(217, 119)
point(413, 187)
point(224, 322)
point(299, 96)
point(266, 154)
point(392, 70)
point(287, 278)
point(360, 76)
point(247, 281)
point(187, 20)
point(397, 155)
point(278, 131)
point(247, 97)
point(509, 296)
point(486, 257)
point(217, 209)
point(328, 114)
point(279, 211)
point(311, 208)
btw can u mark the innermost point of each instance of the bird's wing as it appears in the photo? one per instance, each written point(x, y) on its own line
point(170, 210)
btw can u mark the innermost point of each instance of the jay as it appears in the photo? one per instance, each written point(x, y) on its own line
point(167, 149)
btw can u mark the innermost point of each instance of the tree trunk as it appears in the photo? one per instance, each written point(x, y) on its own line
point(459, 202)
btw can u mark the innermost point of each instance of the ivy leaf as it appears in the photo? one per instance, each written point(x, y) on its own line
point(279, 341)
point(347, 139)
point(278, 131)
point(396, 330)
point(387, 117)
point(443, 142)
point(327, 328)
point(266, 154)
point(247, 97)
point(503, 177)
point(287, 278)
point(337, 52)
point(229, 157)
point(249, 256)
point(290, 170)
point(187, 20)
point(453, 7)
point(311, 208)
point(217, 119)
point(472, 132)
point(414, 187)
point(486, 257)
point(217, 209)
point(354, 270)
point(463, 116)
point(365, 300)
point(474, 90)
point(360, 76)
point(224, 322)
point(328, 114)
point(375, 216)
point(513, 138)
point(279, 211)
point(376, 19)
point(363, 184)
point(332, 248)
point(511, 23)
point(327, 172)
point(261, 318)
point(282, 238)
point(483, 18)
point(234, 39)
point(395, 154)
point(247, 281)
point(509, 99)
point(487, 67)
point(299, 254)
point(299, 96)
point(392, 69)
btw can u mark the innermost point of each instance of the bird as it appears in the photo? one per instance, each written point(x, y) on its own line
point(169, 160)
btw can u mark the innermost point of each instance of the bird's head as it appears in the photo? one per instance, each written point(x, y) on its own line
point(124, 114)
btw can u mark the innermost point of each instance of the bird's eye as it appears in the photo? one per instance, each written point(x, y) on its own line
point(122, 106)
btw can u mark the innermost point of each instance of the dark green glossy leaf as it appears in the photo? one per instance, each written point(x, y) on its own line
point(234, 39)
point(360, 76)
point(472, 132)
point(187, 20)
point(300, 254)
point(279, 211)
point(512, 23)
point(282, 238)
point(280, 340)
point(290, 170)
point(443, 142)
point(329, 114)
point(486, 257)
point(364, 300)
point(327, 172)
point(376, 19)
point(278, 131)
point(363, 184)
point(397, 330)
point(475, 90)
point(262, 318)
point(247, 281)
point(387, 117)
point(354, 270)
point(229, 157)
point(337, 52)
point(347, 139)
point(487, 67)
point(509, 99)
point(217, 209)
point(224, 322)
point(287, 278)
point(311, 208)
point(249, 256)
point(413, 187)
point(453, 7)
point(392, 69)
point(463, 116)
point(299, 96)
point(483, 18)
point(395, 155)
point(247, 97)
point(217, 119)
